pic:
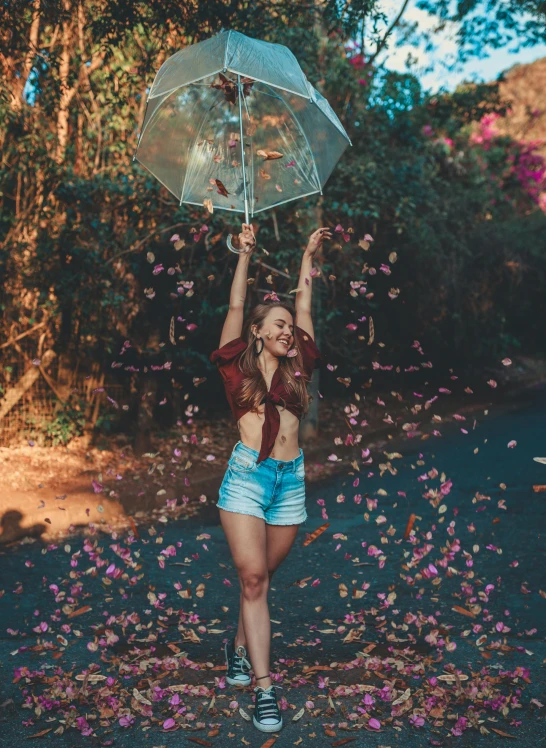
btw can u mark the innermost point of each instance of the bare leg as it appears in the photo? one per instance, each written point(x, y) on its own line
point(279, 541)
point(246, 537)
point(240, 636)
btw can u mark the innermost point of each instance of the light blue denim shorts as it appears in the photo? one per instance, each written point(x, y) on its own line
point(273, 490)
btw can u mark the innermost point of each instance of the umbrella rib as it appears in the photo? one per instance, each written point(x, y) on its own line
point(240, 92)
point(203, 120)
point(229, 70)
point(253, 196)
point(282, 202)
point(268, 83)
point(287, 105)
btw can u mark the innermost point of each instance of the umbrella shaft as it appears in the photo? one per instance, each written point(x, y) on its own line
point(240, 97)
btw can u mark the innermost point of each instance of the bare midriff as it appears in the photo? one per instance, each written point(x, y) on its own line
point(286, 445)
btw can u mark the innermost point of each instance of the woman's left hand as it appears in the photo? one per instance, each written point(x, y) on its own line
point(316, 239)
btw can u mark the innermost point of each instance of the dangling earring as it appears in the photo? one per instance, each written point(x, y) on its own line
point(256, 347)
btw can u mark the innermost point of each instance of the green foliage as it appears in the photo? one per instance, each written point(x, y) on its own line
point(78, 222)
point(66, 424)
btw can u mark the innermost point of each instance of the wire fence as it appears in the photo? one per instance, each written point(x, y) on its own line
point(49, 406)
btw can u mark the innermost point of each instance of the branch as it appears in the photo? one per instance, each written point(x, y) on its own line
point(393, 25)
point(22, 335)
point(139, 244)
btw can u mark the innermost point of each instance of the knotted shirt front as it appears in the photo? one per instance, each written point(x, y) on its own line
point(227, 359)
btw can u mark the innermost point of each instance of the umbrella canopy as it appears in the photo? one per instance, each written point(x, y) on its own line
point(233, 123)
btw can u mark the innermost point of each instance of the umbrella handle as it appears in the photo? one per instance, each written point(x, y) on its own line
point(231, 247)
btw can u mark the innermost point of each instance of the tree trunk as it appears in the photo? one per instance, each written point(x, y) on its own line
point(145, 417)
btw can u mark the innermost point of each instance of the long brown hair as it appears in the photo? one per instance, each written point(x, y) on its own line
point(254, 388)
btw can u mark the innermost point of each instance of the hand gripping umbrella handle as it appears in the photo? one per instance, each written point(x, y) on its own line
point(231, 247)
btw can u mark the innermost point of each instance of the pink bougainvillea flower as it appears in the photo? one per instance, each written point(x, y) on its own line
point(374, 723)
point(340, 230)
point(169, 724)
point(512, 444)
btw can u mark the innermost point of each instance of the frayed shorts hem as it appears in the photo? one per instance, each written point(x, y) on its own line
point(252, 514)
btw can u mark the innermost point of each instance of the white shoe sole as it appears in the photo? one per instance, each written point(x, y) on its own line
point(239, 682)
point(266, 728)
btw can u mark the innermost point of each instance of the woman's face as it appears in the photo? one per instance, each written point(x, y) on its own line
point(280, 325)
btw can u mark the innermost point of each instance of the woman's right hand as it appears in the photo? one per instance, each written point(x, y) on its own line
point(247, 240)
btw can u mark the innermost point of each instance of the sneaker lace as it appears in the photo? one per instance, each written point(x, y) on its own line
point(266, 702)
point(240, 662)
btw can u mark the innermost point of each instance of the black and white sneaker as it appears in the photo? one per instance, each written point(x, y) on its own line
point(267, 716)
point(237, 665)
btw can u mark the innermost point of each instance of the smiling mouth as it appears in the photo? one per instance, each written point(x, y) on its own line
point(284, 342)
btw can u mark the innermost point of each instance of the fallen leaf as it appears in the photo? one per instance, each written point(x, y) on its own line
point(133, 527)
point(503, 734)
point(269, 155)
point(315, 534)
point(40, 734)
point(372, 331)
point(463, 611)
point(79, 611)
point(409, 526)
point(221, 189)
point(404, 697)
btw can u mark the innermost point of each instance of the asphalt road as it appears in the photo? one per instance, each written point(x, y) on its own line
point(504, 543)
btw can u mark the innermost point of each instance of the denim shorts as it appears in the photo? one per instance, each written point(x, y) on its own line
point(273, 490)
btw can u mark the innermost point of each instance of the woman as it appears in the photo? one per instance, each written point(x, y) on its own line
point(265, 365)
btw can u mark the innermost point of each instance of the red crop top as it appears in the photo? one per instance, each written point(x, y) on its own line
point(227, 358)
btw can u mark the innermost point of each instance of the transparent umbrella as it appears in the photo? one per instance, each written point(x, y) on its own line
point(232, 123)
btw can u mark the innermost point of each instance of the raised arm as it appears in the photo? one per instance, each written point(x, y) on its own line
point(305, 283)
point(234, 319)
